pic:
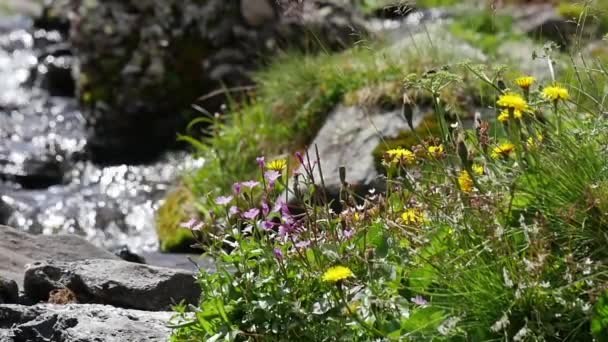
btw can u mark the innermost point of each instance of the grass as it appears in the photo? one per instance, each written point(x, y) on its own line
point(294, 96)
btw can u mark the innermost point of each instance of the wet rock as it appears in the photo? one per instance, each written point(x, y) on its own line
point(114, 282)
point(54, 15)
point(32, 170)
point(125, 254)
point(18, 248)
point(169, 53)
point(55, 74)
point(79, 323)
point(9, 291)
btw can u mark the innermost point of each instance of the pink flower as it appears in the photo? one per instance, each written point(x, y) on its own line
point(265, 208)
point(278, 254)
point(223, 200)
point(300, 158)
point(233, 211)
point(261, 162)
point(348, 234)
point(251, 213)
point(193, 224)
point(272, 176)
point(236, 187)
point(303, 244)
point(250, 184)
point(268, 225)
point(418, 300)
point(188, 224)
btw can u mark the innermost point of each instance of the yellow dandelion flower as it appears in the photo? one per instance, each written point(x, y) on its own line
point(503, 150)
point(533, 142)
point(478, 169)
point(513, 101)
point(435, 151)
point(556, 93)
point(336, 274)
point(525, 82)
point(504, 115)
point(277, 165)
point(357, 217)
point(413, 216)
point(400, 156)
point(465, 182)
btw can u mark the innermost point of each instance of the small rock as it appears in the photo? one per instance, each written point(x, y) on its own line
point(113, 282)
point(80, 323)
point(18, 248)
point(125, 254)
point(9, 291)
point(257, 12)
point(62, 296)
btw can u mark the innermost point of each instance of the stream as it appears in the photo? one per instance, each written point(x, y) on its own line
point(47, 185)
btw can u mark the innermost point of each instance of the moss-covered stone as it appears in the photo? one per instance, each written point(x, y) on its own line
point(428, 128)
point(176, 209)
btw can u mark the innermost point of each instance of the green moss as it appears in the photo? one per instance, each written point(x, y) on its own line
point(176, 209)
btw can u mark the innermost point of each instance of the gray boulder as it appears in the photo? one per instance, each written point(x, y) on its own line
point(113, 282)
point(18, 248)
point(81, 323)
point(348, 138)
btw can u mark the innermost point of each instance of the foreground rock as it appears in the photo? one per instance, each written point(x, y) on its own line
point(9, 291)
point(114, 282)
point(81, 323)
point(18, 248)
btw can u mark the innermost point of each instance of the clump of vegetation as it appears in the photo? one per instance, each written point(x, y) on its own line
point(294, 96)
point(494, 232)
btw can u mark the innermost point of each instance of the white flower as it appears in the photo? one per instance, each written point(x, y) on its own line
point(508, 281)
point(448, 325)
point(521, 334)
point(501, 324)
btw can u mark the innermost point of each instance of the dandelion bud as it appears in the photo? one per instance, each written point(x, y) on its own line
point(342, 171)
point(407, 110)
point(463, 153)
point(501, 85)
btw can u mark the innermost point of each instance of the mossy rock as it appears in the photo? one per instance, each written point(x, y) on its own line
point(177, 208)
point(428, 128)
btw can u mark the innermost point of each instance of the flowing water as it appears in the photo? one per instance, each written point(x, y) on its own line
point(46, 184)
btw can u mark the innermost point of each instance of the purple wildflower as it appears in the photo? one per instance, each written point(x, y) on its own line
point(300, 157)
point(251, 213)
point(250, 184)
point(189, 224)
point(236, 187)
point(223, 200)
point(278, 254)
point(268, 225)
point(303, 244)
point(348, 234)
point(261, 161)
point(418, 300)
point(233, 210)
point(272, 176)
point(265, 208)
